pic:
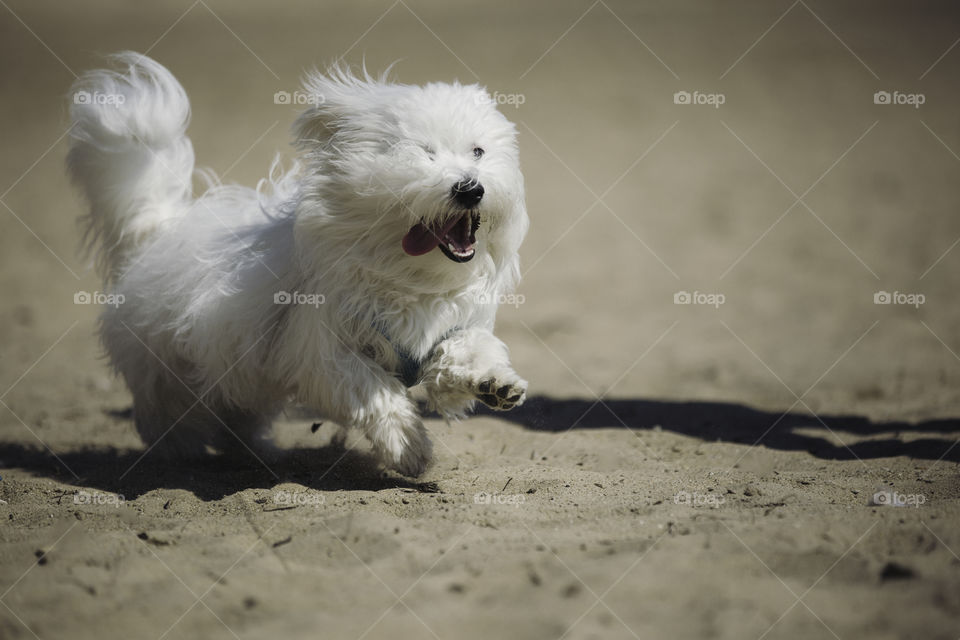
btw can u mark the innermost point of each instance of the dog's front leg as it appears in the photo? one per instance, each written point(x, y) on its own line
point(469, 365)
point(359, 393)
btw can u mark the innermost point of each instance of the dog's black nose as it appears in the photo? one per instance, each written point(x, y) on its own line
point(467, 193)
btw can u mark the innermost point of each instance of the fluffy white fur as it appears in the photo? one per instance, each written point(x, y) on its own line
point(208, 354)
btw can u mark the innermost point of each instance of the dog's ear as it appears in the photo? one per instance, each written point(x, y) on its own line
point(333, 97)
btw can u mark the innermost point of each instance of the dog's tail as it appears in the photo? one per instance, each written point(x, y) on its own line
point(129, 153)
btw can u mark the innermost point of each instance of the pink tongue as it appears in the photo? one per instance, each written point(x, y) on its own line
point(422, 239)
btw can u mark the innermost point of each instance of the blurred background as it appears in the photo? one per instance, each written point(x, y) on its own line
point(751, 204)
point(796, 198)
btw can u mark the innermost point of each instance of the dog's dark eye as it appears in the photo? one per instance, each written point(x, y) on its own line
point(477, 152)
point(429, 151)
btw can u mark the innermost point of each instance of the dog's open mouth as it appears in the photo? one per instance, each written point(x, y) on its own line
point(456, 237)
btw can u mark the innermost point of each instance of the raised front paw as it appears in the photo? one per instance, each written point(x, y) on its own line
point(500, 393)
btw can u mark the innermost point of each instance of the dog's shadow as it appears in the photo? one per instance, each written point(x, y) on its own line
point(130, 473)
point(336, 467)
point(831, 437)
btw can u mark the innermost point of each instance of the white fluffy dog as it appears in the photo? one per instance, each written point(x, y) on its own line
point(373, 265)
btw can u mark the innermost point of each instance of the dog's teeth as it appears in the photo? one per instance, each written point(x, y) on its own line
point(459, 252)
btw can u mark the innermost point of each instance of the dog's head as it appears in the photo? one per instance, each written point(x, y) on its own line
point(430, 173)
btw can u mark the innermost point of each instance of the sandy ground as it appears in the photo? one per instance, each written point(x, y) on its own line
point(682, 471)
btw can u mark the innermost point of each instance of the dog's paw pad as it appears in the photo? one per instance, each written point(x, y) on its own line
point(501, 396)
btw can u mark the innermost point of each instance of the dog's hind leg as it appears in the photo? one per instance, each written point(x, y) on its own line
point(242, 433)
point(170, 426)
point(181, 428)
